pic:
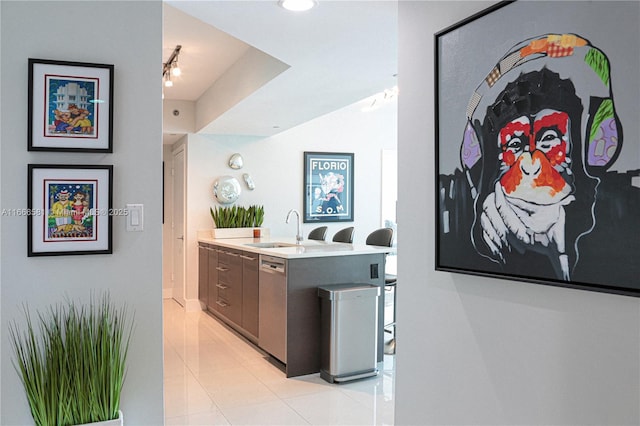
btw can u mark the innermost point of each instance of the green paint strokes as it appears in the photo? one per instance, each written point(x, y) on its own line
point(599, 63)
point(605, 112)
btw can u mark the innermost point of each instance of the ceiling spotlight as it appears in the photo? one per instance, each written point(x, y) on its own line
point(297, 5)
point(168, 82)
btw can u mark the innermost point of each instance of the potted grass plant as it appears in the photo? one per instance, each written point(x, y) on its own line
point(236, 221)
point(71, 362)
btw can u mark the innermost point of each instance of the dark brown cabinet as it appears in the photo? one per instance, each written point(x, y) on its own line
point(228, 286)
point(212, 278)
point(250, 292)
point(203, 273)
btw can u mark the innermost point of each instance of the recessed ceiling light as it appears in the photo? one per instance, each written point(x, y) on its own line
point(297, 5)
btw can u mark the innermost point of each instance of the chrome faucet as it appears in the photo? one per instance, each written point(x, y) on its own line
point(299, 229)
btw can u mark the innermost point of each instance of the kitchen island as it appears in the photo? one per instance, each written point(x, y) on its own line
point(266, 289)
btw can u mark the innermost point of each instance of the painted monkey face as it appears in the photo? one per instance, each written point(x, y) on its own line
point(535, 157)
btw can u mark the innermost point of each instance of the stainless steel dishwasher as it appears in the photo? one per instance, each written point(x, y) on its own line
point(272, 325)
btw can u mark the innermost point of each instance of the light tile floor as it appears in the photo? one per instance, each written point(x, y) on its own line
point(212, 376)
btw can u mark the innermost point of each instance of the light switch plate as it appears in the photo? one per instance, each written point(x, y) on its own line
point(135, 217)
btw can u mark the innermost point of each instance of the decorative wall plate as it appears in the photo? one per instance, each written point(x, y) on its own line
point(226, 189)
point(236, 162)
point(249, 181)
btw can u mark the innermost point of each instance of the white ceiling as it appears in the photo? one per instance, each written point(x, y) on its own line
point(253, 68)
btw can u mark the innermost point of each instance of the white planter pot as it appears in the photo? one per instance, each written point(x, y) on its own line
point(237, 232)
point(113, 422)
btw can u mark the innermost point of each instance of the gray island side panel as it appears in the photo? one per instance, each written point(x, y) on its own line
point(304, 276)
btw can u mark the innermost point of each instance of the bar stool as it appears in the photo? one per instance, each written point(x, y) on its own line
point(319, 233)
point(383, 237)
point(344, 235)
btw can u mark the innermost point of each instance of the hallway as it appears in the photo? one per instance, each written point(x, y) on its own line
point(213, 376)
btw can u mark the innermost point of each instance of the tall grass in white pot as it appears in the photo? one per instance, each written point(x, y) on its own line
point(237, 221)
point(71, 361)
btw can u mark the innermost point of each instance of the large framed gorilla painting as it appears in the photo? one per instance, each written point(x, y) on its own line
point(538, 144)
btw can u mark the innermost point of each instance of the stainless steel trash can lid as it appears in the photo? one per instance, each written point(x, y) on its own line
point(348, 291)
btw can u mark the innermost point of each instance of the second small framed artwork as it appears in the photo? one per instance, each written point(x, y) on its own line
point(328, 187)
point(69, 209)
point(70, 106)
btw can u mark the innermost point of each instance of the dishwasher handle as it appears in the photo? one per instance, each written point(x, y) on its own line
point(272, 265)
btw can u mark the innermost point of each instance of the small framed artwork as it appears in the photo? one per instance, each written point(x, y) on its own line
point(70, 106)
point(328, 187)
point(70, 209)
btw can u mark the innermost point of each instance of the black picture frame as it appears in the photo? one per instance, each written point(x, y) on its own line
point(533, 180)
point(328, 187)
point(70, 106)
point(70, 209)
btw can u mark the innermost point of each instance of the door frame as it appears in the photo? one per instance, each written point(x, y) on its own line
point(175, 232)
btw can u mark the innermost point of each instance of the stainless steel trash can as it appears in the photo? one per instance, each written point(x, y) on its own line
point(349, 334)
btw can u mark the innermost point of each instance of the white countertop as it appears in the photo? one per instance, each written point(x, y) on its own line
point(307, 248)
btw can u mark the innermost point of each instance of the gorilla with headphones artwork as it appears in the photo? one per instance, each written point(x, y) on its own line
point(534, 197)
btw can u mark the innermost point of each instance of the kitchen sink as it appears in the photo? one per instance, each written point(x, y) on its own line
point(269, 245)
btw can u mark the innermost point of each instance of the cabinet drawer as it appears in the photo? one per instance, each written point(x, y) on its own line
point(223, 291)
point(229, 257)
point(230, 307)
point(225, 274)
point(229, 266)
point(223, 307)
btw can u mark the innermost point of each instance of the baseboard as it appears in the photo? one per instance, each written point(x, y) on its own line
point(167, 293)
point(192, 305)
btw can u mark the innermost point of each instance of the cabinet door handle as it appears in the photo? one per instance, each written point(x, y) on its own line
point(224, 287)
point(222, 269)
point(247, 257)
point(219, 303)
point(232, 254)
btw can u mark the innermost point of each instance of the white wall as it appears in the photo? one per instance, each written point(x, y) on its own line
point(276, 165)
point(475, 350)
point(99, 32)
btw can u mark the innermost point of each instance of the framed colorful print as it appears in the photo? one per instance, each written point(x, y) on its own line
point(70, 209)
point(328, 187)
point(535, 181)
point(70, 106)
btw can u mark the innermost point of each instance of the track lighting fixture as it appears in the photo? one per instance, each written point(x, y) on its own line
point(171, 67)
